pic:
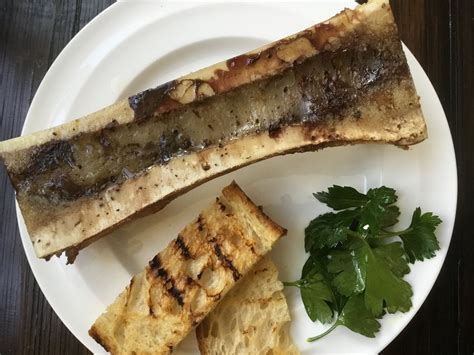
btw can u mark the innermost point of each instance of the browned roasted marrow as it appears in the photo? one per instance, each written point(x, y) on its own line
point(340, 82)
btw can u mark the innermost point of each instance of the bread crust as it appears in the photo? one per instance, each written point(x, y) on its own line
point(185, 281)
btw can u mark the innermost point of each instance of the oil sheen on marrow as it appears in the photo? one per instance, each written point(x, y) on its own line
point(344, 81)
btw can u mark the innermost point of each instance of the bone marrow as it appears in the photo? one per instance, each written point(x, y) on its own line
point(306, 94)
point(344, 81)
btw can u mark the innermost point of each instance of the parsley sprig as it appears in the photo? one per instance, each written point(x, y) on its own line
point(353, 276)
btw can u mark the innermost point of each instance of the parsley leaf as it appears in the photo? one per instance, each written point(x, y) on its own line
point(350, 270)
point(383, 288)
point(419, 240)
point(394, 256)
point(315, 292)
point(364, 269)
point(320, 260)
point(390, 217)
point(376, 213)
point(314, 297)
point(341, 197)
point(328, 229)
point(358, 318)
point(382, 195)
point(371, 211)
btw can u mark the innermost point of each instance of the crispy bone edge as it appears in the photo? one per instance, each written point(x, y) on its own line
point(78, 224)
point(225, 241)
point(289, 50)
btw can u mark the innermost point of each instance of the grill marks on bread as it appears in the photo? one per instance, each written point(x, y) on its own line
point(186, 280)
point(184, 249)
point(169, 282)
point(159, 272)
point(226, 261)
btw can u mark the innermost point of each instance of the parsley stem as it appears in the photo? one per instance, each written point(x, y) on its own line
point(291, 283)
point(388, 234)
point(317, 337)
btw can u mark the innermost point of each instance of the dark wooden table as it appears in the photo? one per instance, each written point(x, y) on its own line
point(439, 32)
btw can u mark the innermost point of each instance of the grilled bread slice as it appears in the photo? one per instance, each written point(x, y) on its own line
point(252, 319)
point(186, 280)
point(344, 81)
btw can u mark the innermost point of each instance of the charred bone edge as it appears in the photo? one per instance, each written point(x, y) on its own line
point(175, 292)
point(289, 50)
point(79, 225)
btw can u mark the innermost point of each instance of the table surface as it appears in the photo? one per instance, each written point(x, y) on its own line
point(439, 33)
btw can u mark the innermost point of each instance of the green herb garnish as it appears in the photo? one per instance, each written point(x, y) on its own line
point(353, 276)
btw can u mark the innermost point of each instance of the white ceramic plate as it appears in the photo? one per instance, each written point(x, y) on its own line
point(135, 45)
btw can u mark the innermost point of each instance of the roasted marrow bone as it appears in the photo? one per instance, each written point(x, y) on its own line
point(185, 281)
point(340, 82)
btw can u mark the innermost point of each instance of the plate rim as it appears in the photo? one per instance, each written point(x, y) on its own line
point(59, 59)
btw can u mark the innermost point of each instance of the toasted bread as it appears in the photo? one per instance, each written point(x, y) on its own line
point(252, 319)
point(344, 81)
point(186, 280)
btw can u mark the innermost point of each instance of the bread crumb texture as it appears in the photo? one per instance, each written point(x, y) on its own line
point(252, 319)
